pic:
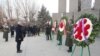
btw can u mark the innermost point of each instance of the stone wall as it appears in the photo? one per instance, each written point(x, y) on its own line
point(94, 12)
point(97, 5)
point(61, 6)
point(86, 4)
point(75, 15)
point(73, 6)
point(56, 16)
point(73, 9)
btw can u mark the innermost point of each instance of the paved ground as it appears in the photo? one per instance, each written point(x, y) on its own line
point(39, 46)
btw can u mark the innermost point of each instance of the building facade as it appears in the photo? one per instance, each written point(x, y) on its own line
point(62, 6)
point(97, 5)
point(74, 7)
point(86, 4)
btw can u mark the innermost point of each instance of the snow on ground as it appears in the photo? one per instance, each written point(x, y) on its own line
point(39, 46)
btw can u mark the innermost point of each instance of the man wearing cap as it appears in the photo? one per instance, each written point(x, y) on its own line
point(19, 36)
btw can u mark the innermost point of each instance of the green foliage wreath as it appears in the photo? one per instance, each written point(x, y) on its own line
point(95, 31)
point(59, 32)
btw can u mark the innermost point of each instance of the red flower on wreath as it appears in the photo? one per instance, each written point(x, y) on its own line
point(81, 29)
point(61, 25)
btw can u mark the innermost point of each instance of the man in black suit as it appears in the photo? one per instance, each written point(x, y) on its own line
point(19, 36)
point(48, 32)
point(12, 30)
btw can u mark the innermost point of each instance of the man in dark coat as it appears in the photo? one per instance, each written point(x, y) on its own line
point(38, 30)
point(12, 30)
point(48, 32)
point(24, 31)
point(19, 36)
point(69, 40)
point(28, 31)
point(5, 32)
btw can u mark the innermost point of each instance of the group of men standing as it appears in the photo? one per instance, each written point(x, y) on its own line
point(21, 31)
point(33, 30)
point(69, 32)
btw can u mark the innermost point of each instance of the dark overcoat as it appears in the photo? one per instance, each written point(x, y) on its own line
point(5, 32)
point(69, 38)
point(48, 30)
point(19, 33)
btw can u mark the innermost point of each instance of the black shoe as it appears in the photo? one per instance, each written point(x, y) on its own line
point(50, 39)
point(59, 44)
point(69, 50)
point(6, 40)
point(20, 51)
point(12, 36)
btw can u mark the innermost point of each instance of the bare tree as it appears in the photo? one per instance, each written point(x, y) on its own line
point(9, 9)
point(25, 9)
point(32, 12)
point(17, 8)
point(2, 15)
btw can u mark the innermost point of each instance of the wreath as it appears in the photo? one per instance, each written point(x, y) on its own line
point(62, 26)
point(94, 33)
point(63, 23)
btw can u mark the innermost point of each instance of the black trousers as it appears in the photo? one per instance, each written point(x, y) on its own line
point(49, 37)
point(18, 45)
point(6, 39)
point(12, 33)
point(70, 48)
